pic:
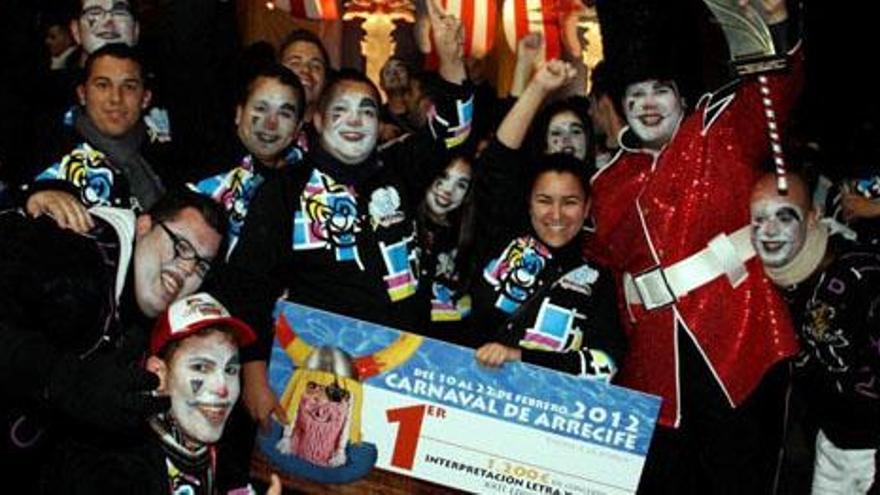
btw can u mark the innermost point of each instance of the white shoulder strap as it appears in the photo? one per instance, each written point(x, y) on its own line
point(122, 220)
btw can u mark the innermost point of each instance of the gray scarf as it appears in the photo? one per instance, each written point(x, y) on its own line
point(124, 153)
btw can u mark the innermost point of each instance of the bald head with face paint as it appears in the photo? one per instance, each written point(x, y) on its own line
point(780, 223)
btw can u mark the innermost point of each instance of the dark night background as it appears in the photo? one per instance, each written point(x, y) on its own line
point(839, 109)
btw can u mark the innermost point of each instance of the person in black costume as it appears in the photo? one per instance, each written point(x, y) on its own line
point(537, 292)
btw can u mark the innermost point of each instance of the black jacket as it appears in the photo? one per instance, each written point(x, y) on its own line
point(532, 296)
point(337, 237)
point(836, 317)
point(57, 303)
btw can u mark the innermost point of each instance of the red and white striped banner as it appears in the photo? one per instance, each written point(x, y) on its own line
point(478, 18)
point(521, 17)
point(327, 10)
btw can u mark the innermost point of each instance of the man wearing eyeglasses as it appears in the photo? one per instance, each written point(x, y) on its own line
point(102, 22)
point(75, 313)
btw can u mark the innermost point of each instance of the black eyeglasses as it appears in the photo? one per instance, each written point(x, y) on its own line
point(184, 250)
point(95, 13)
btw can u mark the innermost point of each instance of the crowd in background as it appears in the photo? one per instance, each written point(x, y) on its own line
point(636, 235)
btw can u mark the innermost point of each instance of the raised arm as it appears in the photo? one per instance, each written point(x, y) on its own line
point(549, 77)
point(448, 36)
point(527, 50)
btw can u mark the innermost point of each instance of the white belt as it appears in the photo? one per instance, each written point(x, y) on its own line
point(723, 255)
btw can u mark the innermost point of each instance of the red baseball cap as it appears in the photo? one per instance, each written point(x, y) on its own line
point(192, 313)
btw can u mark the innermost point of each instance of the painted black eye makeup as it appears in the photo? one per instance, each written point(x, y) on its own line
point(788, 214)
point(368, 103)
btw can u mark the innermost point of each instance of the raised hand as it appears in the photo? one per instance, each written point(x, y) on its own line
point(772, 11)
point(553, 75)
point(447, 31)
point(529, 48)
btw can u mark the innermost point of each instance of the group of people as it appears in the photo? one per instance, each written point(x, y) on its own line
point(621, 238)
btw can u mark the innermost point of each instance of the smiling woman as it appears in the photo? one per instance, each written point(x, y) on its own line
point(539, 299)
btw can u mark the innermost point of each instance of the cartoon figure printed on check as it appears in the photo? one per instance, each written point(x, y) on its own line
point(323, 408)
point(323, 399)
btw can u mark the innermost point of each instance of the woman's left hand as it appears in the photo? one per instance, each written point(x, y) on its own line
point(493, 354)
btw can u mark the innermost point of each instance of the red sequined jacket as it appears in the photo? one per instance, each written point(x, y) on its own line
point(657, 209)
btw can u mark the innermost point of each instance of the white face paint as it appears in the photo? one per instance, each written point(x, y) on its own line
point(449, 189)
point(268, 121)
point(203, 384)
point(394, 75)
point(102, 22)
point(653, 110)
point(778, 231)
point(351, 123)
point(565, 134)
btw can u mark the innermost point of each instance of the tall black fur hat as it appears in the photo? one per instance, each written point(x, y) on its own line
point(649, 39)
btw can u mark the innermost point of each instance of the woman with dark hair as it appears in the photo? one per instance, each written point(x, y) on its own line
point(564, 126)
point(445, 232)
point(536, 292)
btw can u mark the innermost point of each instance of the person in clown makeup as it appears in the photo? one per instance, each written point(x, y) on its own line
point(706, 330)
point(337, 230)
point(268, 118)
point(194, 352)
point(831, 286)
point(445, 220)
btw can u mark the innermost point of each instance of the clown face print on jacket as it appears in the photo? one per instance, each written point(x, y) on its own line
point(653, 110)
point(349, 123)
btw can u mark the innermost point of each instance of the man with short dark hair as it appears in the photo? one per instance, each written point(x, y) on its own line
point(106, 166)
point(304, 53)
point(607, 121)
point(75, 312)
point(268, 118)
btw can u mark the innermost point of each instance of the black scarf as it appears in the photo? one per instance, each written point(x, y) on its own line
point(194, 464)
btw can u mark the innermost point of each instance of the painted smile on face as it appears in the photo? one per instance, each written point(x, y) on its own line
point(203, 383)
point(778, 231)
point(268, 121)
point(103, 22)
point(449, 189)
point(653, 110)
point(565, 134)
point(351, 124)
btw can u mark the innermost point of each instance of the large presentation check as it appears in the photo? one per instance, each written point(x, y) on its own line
point(426, 409)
